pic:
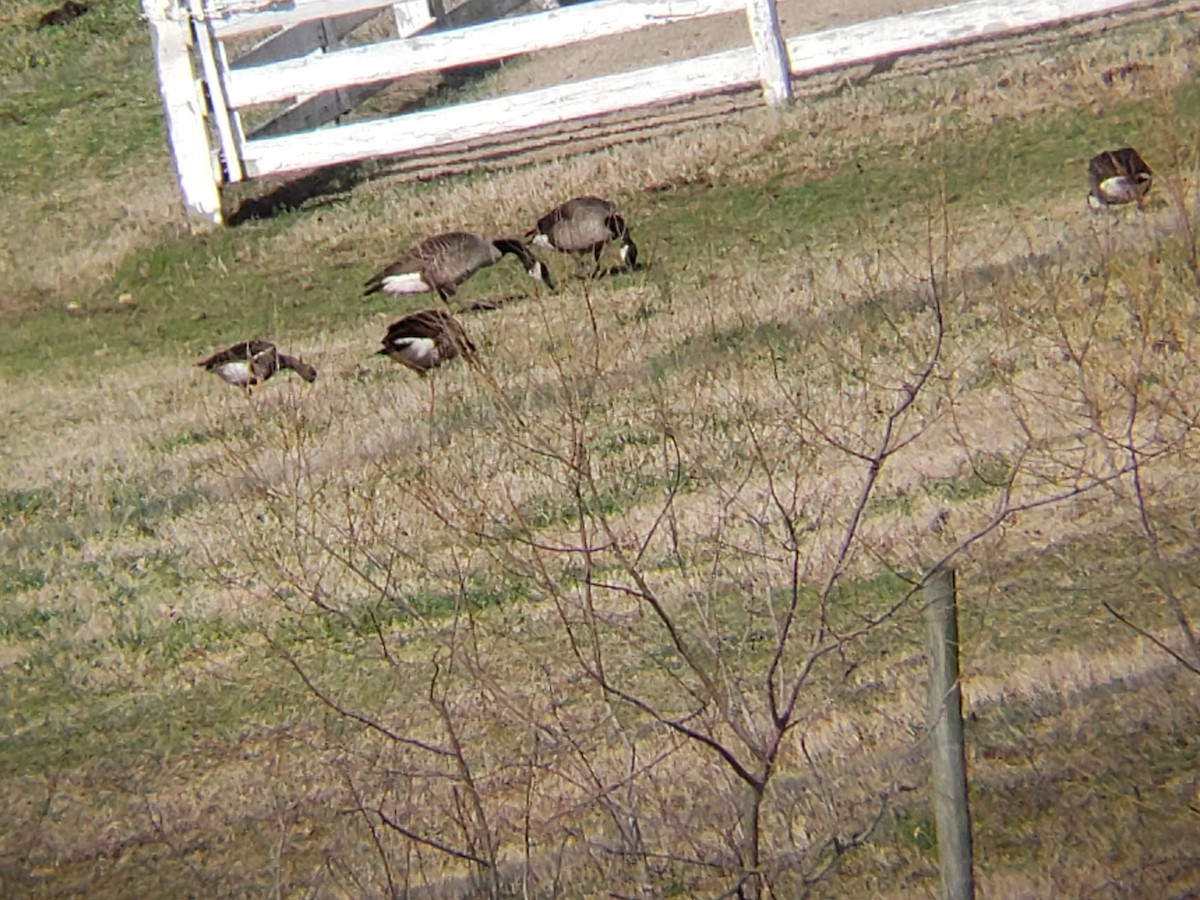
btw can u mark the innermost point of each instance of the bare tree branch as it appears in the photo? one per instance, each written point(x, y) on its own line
point(429, 842)
point(1161, 645)
point(350, 714)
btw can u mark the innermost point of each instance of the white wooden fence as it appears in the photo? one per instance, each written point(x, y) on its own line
point(303, 62)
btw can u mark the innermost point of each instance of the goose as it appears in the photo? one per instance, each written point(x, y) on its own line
point(253, 362)
point(65, 14)
point(425, 339)
point(442, 262)
point(584, 225)
point(1118, 176)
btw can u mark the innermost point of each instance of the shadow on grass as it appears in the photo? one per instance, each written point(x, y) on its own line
point(325, 186)
point(322, 187)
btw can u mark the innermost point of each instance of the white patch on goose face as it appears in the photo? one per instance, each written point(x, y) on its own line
point(624, 254)
point(542, 241)
point(406, 283)
point(535, 271)
point(237, 372)
point(420, 353)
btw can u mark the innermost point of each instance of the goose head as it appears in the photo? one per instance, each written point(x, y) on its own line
point(533, 266)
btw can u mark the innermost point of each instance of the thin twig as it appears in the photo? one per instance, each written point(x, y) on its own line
point(351, 714)
point(430, 842)
point(1161, 645)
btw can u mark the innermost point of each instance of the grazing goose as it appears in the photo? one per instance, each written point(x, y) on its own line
point(252, 362)
point(1118, 176)
point(584, 225)
point(425, 339)
point(62, 15)
point(443, 262)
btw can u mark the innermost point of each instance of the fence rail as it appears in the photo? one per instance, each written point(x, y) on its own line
point(304, 61)
point(462, 46)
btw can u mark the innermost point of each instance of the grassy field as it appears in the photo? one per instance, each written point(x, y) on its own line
point(570, 622)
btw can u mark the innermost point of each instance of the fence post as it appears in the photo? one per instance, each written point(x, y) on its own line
point(951, 809)
point(413, 16)
point(773, 65)
point(183, 109)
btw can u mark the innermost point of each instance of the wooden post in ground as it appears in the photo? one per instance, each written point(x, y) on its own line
point(183, 109)
point(951, 809)
point(771, 49)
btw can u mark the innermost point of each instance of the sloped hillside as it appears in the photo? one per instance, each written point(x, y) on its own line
point(630, 604)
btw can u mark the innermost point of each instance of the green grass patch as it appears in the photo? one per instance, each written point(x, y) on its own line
point(57, 525)
point(230, 282)
point(1025, 774)
point(18, 624)
point(61, 724)
point(80, 101)
point(972, 165)
point(605, 501)
point(478, 592)
point(17, 506)
point(728, 347)
point(223, 433)
point(15, 580)
point(1049, 600)
point(885, 504)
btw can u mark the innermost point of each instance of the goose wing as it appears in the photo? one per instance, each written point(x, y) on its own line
point(440, 260)
point(426, 323)
point(1123, 162)
point(578, 224)
point(455, 256)
point(237, 353)
point(575, 208)
point(435, 325)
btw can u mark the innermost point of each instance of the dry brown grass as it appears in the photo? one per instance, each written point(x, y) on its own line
point(416, 549)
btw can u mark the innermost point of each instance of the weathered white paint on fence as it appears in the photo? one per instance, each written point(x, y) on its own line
point(769, 62)
point(309, 37)
point(730, 70)
point(473, 11)
point(286, 16)
point(219, 106)
point(321, 36)
point(388, 60)
point(774, 71)
point(412, 17)
point(250, 19)
point(307, 112)
point(468, 121)
point(183, 109)
point(941, 27)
